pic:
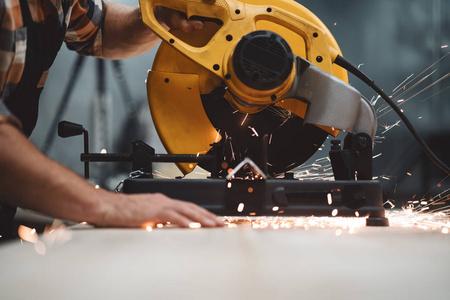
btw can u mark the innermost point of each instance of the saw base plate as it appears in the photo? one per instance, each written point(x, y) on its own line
point(273, 197)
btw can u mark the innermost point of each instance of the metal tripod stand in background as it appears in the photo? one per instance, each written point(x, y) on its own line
point(102, 113)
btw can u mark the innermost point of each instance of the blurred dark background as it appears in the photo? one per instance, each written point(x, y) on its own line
point(389, 39)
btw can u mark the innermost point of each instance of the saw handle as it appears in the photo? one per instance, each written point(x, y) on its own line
point(205, 19)
point(221, 12)
point(203, 10)
point(238, 19)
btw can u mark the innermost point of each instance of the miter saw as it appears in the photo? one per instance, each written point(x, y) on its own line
point(250, 97)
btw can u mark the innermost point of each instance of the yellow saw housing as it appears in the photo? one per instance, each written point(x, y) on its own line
point(188, 65)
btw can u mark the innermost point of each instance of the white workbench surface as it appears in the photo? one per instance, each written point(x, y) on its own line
point(230, 263)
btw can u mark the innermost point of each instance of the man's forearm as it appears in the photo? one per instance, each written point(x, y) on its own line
point(31, 180)
point(124, 34)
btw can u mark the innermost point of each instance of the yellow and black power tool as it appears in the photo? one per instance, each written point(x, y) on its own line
point(259, 67)
point(250, 97)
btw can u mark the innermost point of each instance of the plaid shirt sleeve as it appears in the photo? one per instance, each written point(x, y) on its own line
point(84, 33)
point(12, 45)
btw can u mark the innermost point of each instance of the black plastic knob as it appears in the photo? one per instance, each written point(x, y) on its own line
point(68, 129)
point(262, 60)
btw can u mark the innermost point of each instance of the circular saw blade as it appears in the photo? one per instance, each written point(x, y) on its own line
point(291, 142)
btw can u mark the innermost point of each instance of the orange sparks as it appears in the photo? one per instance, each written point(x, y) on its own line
point(245, 118)
point(217, 136)
point(27, 234)
point(195, 225)
point(330, 199)
point(406, 218)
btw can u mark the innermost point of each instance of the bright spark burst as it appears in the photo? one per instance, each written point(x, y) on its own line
point(255, 133)
point(410, 84)
point(217, 136)
point(233, 157)
point(378, 155)
point(56, 233)
point(406, 218)
point(403, 82)
point(195, 225)
point(410, 89)
point(27, 234)
point(320, 169)
point(389, 127)
point(159, 174)
point(329, 199)
point(245, 118)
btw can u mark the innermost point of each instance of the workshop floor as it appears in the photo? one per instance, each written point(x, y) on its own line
point(238, 262)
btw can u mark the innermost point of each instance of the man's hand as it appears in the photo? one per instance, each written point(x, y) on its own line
point(125, 35)
point(141, 210)
point(31, 180)
point(176, 19)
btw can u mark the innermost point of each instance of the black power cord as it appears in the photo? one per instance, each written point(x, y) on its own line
point(344, 63)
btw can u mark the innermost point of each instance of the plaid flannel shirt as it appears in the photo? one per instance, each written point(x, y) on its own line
point(83, 33)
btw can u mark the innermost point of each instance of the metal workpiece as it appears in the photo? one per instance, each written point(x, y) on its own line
point(331, 101)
